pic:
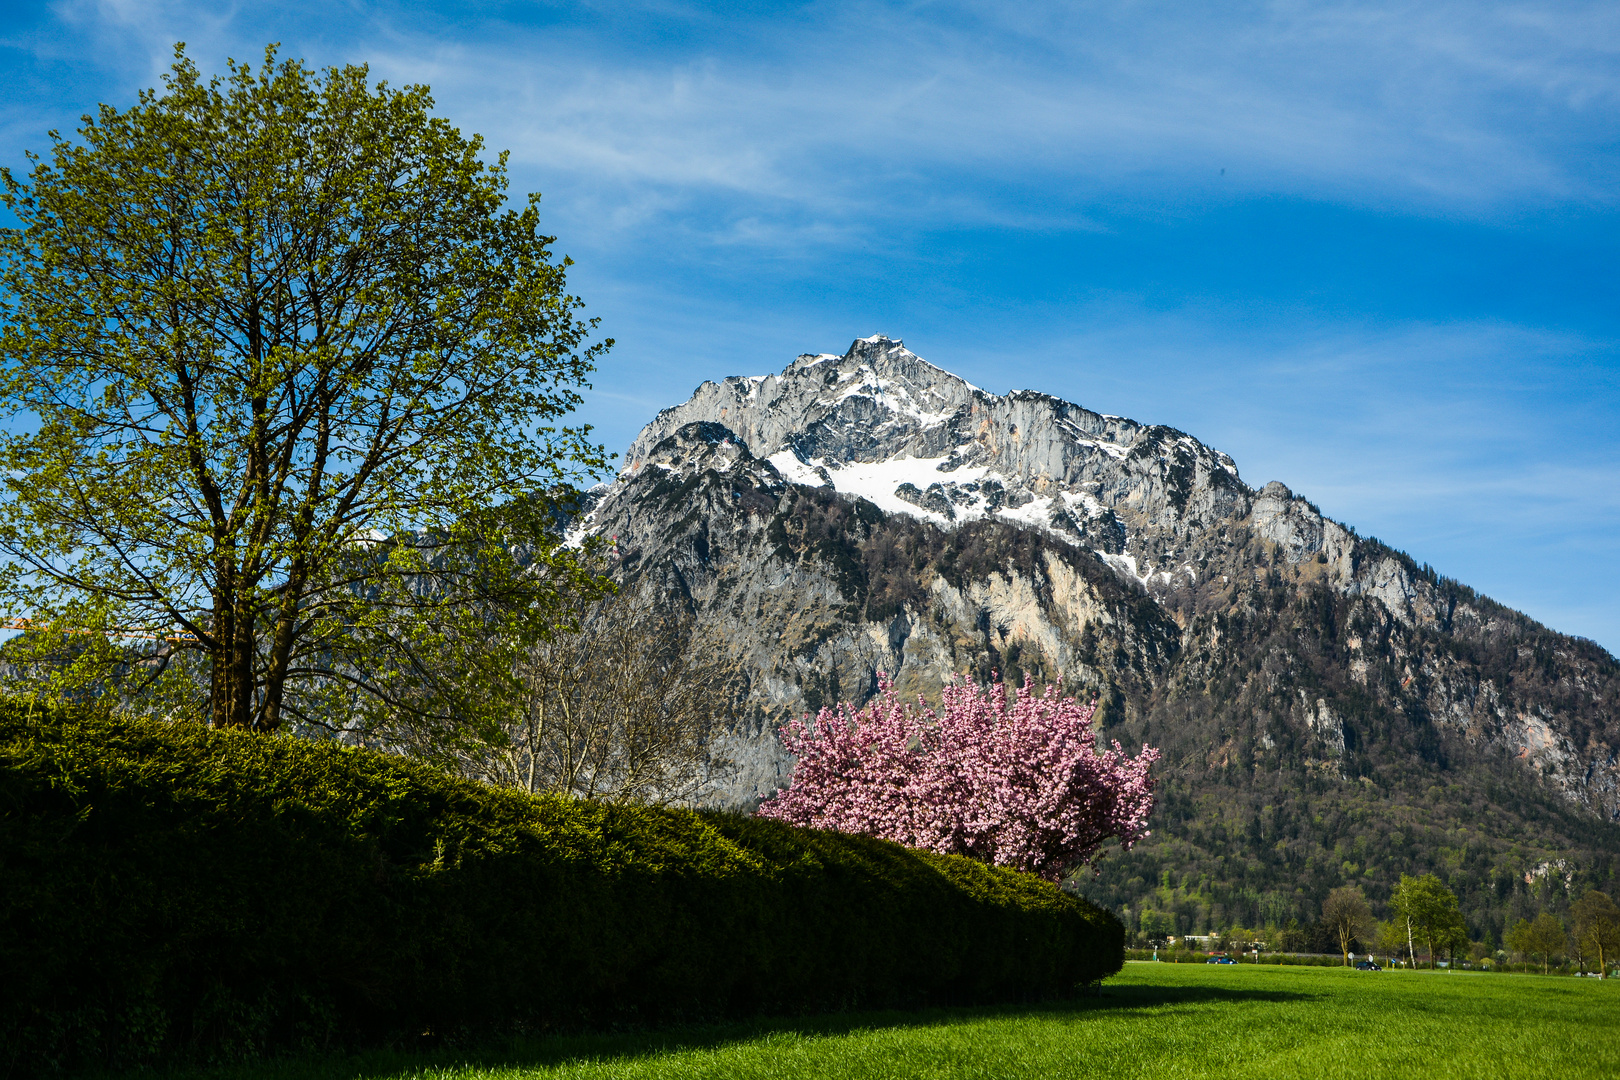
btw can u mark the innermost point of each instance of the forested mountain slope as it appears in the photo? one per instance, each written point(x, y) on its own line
point(1329, 710)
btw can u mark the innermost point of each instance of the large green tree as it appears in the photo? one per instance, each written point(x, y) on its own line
point(280, 370)
point(1430, 912)
point(1391, 938)
point(1597, 928)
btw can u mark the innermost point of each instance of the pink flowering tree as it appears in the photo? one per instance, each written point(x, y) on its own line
point(1015, 783)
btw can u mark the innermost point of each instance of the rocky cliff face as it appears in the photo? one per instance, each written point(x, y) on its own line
point(816, 592)
point(872, 512)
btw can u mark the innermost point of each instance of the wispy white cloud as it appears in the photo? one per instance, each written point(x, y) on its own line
point(859, 107)
point(1433, 103)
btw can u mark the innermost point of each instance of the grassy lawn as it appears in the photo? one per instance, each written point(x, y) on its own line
point(1154, 1020)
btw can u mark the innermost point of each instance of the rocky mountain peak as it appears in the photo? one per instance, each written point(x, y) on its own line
point(883, 424)
point(869, 512)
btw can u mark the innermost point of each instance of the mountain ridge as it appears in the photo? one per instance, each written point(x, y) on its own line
point(823, 435)
point(870, 512)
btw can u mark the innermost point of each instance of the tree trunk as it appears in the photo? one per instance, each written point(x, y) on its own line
point(242, 669)
point(219, 667)
point(230, 676)
point(275, 677)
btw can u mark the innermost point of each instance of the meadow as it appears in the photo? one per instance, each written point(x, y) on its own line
point(1158, 1021)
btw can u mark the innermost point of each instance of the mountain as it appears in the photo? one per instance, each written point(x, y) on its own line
point(1330, 711)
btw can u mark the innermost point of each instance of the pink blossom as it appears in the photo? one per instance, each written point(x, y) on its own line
point(1018, 785)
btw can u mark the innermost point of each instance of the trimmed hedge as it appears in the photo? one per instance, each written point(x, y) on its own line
point(172, 893)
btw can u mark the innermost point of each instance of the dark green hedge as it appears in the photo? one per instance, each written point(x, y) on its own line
point(171, 893)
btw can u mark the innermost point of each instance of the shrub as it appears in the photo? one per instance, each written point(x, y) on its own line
point(170, 892)
point(1017, 784)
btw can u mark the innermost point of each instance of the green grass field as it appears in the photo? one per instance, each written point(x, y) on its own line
point(1154, 1021)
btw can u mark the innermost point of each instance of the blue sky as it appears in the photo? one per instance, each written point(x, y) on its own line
point(1369, 250)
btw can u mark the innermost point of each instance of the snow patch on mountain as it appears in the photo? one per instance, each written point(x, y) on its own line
point(1125, 566)
point(880, 482)
point(914, 487)
point(881, 423)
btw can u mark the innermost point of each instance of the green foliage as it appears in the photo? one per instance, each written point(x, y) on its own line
point(1430, 912)
point(259, 329)
point(1541, 937)
point(1391, 939)
point(170, 891)
point(1597, 928)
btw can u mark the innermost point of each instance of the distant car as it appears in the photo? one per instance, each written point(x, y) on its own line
point(1220, 960)
point(1367, 965)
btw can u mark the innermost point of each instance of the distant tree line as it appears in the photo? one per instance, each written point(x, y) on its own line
point(1425, 926)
